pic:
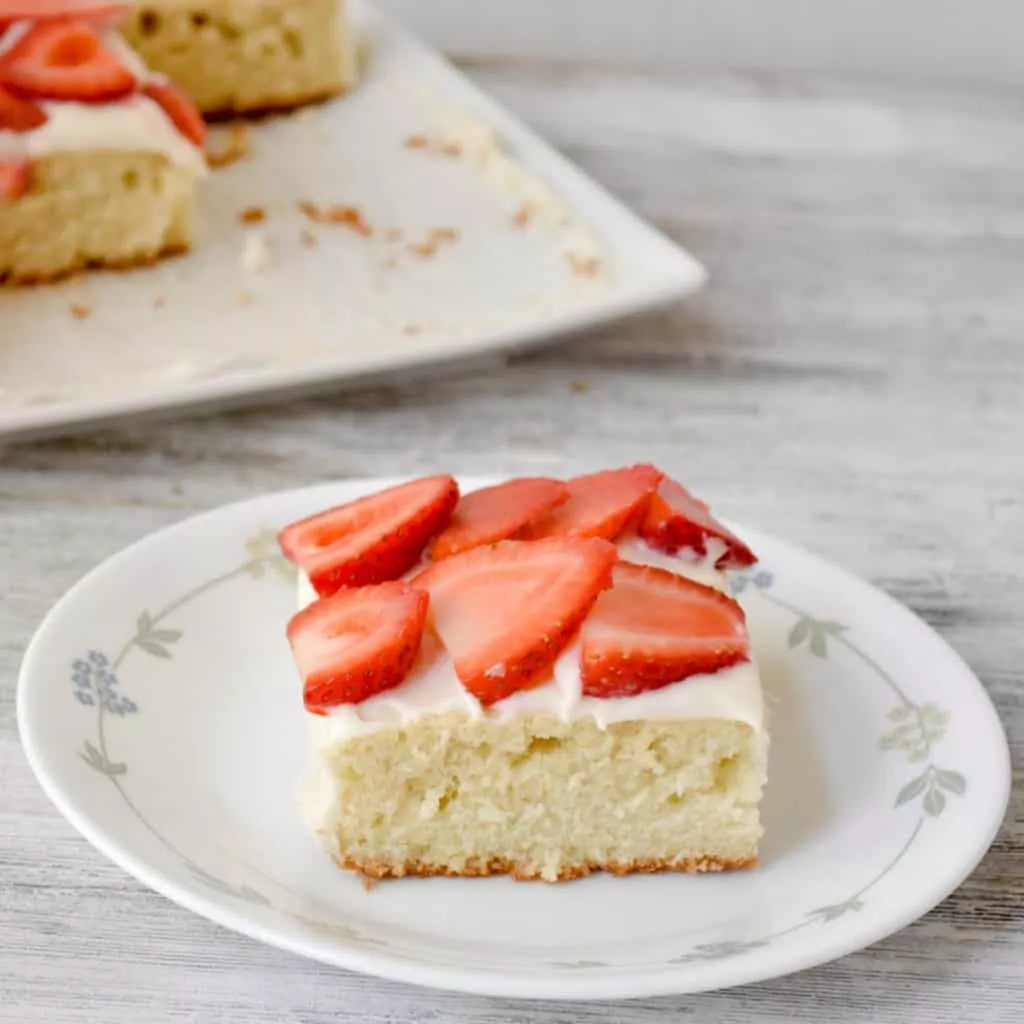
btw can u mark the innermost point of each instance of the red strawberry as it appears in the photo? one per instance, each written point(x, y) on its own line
point(65, 59)
point(676, 520)
point(179, 109)
point(19, 115)
point(15, 178)
point(373, 539)
point(496, 513)
point(654, 628)
point(38, 10)
point(506, 611)
point(357, 643)
point(600, 505)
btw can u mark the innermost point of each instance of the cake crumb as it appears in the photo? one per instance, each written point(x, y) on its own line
point(237, 148)
point(583, 266)
point(579, 387)
point(445, 147)
point(348, 216)
point(253, 215)
point(255, 252)
point(443, 235)
point(243, 297)
point(424, 250)
point(524, 215)
point(369, 884)
point(80, 312)
point(411, 329)
point(308, 238)
point(160, 301)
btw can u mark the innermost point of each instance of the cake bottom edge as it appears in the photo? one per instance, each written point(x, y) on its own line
point(33, 278)
point(528, 873)
point(273, 105)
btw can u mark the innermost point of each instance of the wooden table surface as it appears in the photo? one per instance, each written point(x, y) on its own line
point(853, 380)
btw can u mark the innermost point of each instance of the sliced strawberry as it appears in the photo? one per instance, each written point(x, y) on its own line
point(676, 520)
point(357, 643)
point(15, 178)
point(376, 538)
point(65, 59)
point(17, 114)
point(600, 504)
point(496, 513)
point(654, 628)
point(506, 611)
point(179, 109)
point(38, 10)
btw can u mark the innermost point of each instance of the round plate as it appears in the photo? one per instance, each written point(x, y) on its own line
point(160, 709)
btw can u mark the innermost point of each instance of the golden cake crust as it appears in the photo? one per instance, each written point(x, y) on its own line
point(499, 866)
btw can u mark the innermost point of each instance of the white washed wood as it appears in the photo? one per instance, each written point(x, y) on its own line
point(852, 380)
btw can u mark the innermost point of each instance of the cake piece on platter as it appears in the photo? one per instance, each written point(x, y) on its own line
point(247, 56)
point(99, 158)
point(543, 678)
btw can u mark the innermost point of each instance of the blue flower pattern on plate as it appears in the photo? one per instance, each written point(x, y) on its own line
point(95, 683)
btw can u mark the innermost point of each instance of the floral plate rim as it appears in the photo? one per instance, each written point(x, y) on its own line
point(914, 727)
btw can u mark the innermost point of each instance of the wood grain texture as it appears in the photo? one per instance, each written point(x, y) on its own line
point(852, 380)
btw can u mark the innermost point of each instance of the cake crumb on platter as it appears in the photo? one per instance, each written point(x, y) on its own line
point(524, 215)
point(339, 213)
point(80, 312)
point(256, 252)
point(253, 215)
point(583, 266)
point(237, 147)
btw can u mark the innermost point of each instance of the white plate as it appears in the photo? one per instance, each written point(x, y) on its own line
point(205, 329)
point(160, 709)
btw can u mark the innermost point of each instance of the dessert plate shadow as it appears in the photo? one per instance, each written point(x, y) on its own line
point(160, 710)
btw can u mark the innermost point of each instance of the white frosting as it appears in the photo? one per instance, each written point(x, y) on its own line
point(434, 689)
point(135, 123)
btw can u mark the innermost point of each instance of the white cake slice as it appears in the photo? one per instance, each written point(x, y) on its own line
point(99, 157)
point(427, 778)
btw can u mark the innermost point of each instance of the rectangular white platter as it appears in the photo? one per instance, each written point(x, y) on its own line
point(473, 237)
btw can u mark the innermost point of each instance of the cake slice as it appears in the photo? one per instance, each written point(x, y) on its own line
point(99, 158)
point(546, 694)
point(247, 56)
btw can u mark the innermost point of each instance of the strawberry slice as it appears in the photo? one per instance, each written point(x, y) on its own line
point(496, 513)
point(17, 114)
point(654, 628)
point(600, 504)
point(373, 539)
point(676, 520)
point(357, 643)
point(179, 109)
point(38, 10)
point(15, 178)
point(505, 612)
point(65, 59)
